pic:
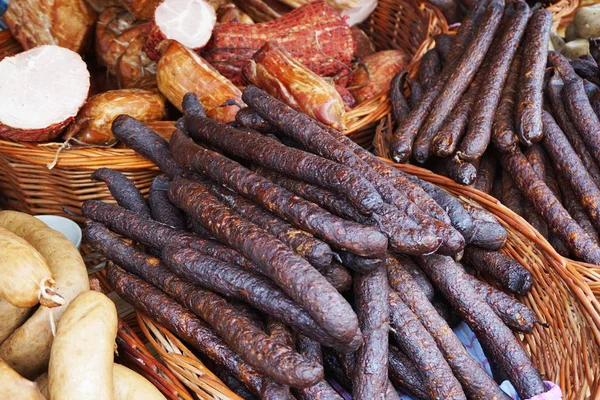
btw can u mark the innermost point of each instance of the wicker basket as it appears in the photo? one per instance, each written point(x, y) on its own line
point(566, 352)
point(28, 185)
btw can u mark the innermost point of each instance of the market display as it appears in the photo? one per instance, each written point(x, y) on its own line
point(288, 284)
point(294, 262)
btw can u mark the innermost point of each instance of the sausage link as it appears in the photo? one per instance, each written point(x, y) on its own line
point(577, 104)
point(571, 168)
point(506, 271)
point(161, 208)
point(318, 253)
point(123, 190)
point(459, 79)
point(293, 274)
point(503, 49)
point(167, 312)
point(554, 91)
point(449, 278)
point(343, 234)
point(277, 361)
point(504, 134)
point(550, 208)
point(474, 379)
point(531, 80)
point(403, 137)
point(421, 349)
point(371, 369)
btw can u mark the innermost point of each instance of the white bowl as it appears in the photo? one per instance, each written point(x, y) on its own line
point(70, 229)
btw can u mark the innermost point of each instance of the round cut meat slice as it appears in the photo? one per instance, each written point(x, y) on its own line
point(189, 22)
point(42, 90)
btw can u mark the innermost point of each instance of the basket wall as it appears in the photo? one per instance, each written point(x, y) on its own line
point(28, 185)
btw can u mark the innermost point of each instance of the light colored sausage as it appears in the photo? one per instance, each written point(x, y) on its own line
point(11, 318)
point(27, 349)
point(14, 387)
point(25, 279)
point(82, 356)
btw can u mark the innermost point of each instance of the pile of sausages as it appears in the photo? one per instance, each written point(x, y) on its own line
point(495, 82)
point(286, 255)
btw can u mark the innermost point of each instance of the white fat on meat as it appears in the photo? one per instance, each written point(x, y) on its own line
point(190, 22)
point(42, 87)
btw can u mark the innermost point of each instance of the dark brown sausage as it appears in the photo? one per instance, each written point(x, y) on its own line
point(445, 310)
point(341, 233)
point(293, 274)
point(484, 181)
point(570, 167)
point(549, 207)
point(157, 235)
point(279, 362)
point(438, 380)
point(489, 234)
point(147, 143)
point(338, 276)
point(405, 134)
point(531, 80)
point(504, 134)
point(459, 80)
point(587, 69)
point(404, 375)
point(316, 139)
point(413, 269)
point(318, 253)
point(575, 209)
point(236, 283)
point(400, 180)
point(400, 108)
point(554, 91)
point(506, 271)
point(511, 195)
point(577, 104)
point(516, 315)
point(595, 102)
point(333, 369)
point(475, 380)
point(460, 218)
point(451, 133)
point(553, 185)
point(167, 312)
point(449, 278)
point(416, 92)
point(322, 197)
point(279, 333)
point(248, 118)
point(360, 264)
point(286, 160)
point(123, 190)
point(460, 171)
point(503, 49)
point(430, 68)
point(322, 390)
point(535, 156)
point(435, 201)
point(161, 208)
point(371, 369)
point(443, 44)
